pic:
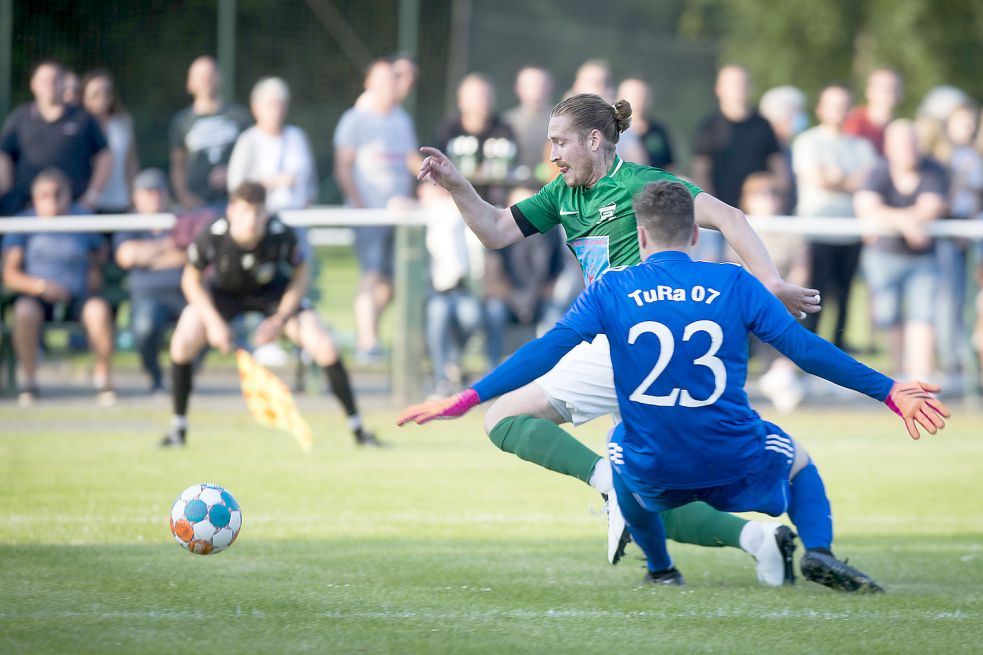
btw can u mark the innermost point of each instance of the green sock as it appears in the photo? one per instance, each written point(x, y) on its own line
point(543, 442)
point(700, 524)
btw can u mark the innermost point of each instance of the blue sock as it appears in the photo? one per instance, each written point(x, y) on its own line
point(645, 527)
point(809, 509)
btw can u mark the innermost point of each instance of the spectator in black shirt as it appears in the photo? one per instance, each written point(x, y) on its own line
point(47, 133)
point(477, 141)
point(256, 265)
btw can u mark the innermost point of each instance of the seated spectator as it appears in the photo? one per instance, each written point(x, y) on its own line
point(155, 263)
point(100, 99)
point(904, 193)
point(453, 314)
point(55, 275)
point(519, 282)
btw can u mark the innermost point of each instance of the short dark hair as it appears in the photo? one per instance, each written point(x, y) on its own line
point(52, 174)
point(252, 193)
point(665, 210)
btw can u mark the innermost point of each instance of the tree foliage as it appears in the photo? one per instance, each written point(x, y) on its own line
point(809, 43)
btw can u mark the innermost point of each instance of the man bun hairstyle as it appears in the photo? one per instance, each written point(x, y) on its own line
point(622, 115)
point(665, 210)
point(252, 193)
point(587, 111)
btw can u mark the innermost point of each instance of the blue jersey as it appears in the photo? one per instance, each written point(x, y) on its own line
point(678, 333)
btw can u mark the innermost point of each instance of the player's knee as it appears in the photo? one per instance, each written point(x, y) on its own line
point(498, 431)
point(498, 412)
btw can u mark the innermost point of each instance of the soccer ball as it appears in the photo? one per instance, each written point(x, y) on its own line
point(205, 519)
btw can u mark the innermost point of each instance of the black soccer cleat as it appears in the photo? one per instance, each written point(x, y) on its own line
point(785, 539)
point(367, 439)
point(822, 568)
point(175, 438)
point(670, 577)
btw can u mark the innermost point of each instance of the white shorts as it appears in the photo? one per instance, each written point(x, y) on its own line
point(581, 385)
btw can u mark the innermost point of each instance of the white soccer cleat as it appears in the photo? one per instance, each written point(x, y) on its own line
point(773, 557)
point(618, 535)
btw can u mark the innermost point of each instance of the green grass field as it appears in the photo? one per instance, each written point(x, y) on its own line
point(443, 544)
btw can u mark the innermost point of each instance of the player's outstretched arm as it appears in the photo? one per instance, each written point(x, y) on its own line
point(527, 363)
point(494, 227)
point(732, 223)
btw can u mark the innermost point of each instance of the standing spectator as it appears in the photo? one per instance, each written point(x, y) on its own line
point(100, 99)
point(652, 137)
point(965, 167)
point(481, 145)
point(732, 143)
point(71, 89)
point(453, 314)
point(375, 151)
point(276, 155)
point(784, 109)
point(56, 275)
point(932, 115)
point(830, 166)
point(47, 133)
point(407, 71)
point(154, 262)
point(903, 193)
point(883, 93)
point(528, 120)
point(202, 137)
point(593, 76)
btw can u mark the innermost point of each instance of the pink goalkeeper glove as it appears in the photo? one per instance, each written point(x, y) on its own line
point(915, 404)
point(450, 407)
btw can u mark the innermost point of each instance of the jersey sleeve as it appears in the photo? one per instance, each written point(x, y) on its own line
point(202, 249)
point(767, 318)
point(539, 212)
point(529, 362)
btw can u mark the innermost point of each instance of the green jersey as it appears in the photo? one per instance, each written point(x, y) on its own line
point(599, 221)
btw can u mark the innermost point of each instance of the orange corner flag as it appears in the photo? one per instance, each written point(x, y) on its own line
point(270, 401)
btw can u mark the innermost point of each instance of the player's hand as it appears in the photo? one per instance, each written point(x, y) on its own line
point(798, 301)
point(915, 404)
point(269, 329)
point(219, 335)
point(450, 407)
point(439, 168)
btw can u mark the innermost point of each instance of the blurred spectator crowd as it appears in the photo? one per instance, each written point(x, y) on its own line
point(72, 151)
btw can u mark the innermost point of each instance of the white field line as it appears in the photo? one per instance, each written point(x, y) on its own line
point(512, 614)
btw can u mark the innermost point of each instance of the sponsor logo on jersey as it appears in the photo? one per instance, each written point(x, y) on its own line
point(567, 212)
point(607, 212)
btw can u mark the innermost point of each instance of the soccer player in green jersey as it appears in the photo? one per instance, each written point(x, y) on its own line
point(592, 200)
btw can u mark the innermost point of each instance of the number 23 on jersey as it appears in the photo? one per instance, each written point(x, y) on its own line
point(667, 347)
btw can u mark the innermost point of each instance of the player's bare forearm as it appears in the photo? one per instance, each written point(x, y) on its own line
point(733, 224)
point(494, 227)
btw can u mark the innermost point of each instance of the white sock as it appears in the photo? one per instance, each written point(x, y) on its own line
point(179, 422)
point(354, 422)
point(752, 535)
point(601, 478)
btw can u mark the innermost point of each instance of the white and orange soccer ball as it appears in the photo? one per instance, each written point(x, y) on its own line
point(205, 519)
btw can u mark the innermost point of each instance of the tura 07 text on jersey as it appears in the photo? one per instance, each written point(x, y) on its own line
point(660, 293)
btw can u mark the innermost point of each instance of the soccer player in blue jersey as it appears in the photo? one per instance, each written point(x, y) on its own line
point(678, 336)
